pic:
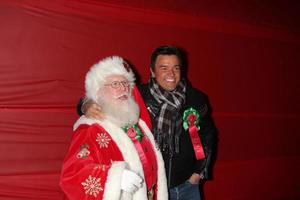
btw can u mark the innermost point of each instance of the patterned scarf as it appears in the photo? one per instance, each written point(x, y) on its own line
point(168, 124)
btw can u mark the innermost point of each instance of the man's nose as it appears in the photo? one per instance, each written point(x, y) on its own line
point(171, 72)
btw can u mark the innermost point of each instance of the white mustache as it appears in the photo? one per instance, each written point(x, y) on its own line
point(121, 95)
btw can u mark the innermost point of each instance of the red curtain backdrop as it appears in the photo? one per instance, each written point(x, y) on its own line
point(250, 73)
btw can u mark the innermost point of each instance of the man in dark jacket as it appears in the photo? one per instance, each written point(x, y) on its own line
point(182, 125)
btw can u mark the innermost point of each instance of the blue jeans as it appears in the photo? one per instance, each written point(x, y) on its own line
point(185, 191)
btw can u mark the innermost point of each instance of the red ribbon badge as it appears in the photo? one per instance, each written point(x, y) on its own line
point(191, 119)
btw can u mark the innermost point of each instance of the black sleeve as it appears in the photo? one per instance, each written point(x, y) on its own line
point(208, 134)
point(79, 104)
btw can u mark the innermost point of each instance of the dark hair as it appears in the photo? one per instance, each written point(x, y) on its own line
point(167, 50)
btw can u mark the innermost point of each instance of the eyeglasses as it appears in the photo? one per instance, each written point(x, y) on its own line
point(117, 84)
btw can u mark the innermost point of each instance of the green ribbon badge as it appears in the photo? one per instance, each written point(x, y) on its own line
point(191, 117)
point(133, 131)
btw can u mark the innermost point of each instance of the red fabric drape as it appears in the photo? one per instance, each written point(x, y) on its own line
point(250, 73)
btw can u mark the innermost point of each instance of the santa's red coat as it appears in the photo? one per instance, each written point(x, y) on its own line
point(98, 154)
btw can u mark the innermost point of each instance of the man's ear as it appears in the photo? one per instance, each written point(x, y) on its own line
point(152, 73)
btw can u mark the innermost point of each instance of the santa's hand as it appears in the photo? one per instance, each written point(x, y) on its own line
point(130, 182)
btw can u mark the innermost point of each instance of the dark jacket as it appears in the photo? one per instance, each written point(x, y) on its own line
point(181, 166)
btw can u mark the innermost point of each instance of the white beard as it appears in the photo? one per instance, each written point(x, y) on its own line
point(121, 113)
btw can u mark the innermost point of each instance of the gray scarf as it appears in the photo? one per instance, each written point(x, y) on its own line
point(168, 124)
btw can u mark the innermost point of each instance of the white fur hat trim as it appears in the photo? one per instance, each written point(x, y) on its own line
point(108, 66)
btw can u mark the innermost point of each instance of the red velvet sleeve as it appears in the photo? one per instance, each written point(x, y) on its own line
point(87, 163)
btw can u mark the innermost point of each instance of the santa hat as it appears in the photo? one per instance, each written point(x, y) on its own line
point(95, 78)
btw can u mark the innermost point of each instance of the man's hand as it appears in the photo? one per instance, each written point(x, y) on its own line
point(92, 110)
point(195, 178)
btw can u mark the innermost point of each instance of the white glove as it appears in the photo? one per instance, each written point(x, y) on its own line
point(130, 182)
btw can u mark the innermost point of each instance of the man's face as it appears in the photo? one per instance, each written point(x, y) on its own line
point(115, 89)
point(167, 71)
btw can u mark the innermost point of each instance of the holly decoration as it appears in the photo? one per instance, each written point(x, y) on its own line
point(191, 117)
point(133, 131)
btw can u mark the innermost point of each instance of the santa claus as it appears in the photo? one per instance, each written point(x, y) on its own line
point(114, 158)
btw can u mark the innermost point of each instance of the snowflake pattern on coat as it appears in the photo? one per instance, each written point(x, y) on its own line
point(92, 186)
point(101, 167)
point(103, 140)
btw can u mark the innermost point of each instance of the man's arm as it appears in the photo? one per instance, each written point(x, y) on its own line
point(209, 137)
point(92, 110)
point(79, 106)
point(208, 134)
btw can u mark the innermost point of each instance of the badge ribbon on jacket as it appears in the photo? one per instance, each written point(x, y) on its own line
point(191, 119)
